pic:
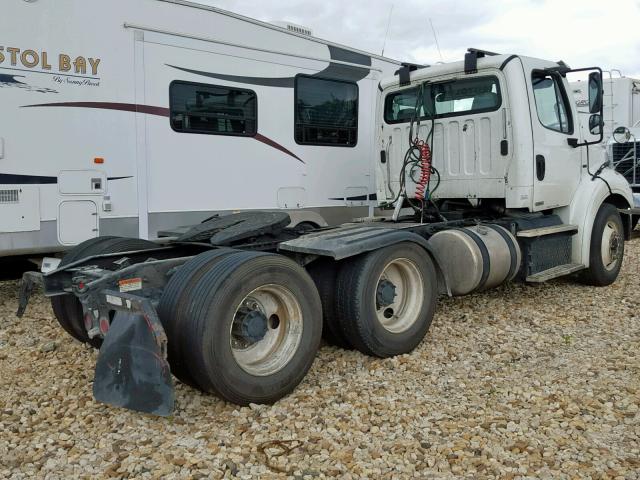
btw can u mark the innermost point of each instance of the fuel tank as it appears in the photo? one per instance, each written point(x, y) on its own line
point(478, 257)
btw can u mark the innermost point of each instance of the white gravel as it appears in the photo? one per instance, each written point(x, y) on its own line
point(520, 382)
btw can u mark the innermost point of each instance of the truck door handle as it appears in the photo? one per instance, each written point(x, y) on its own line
point(541, 167)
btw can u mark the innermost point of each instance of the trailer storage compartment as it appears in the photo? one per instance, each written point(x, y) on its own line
point(19, 208)
point(77, 221)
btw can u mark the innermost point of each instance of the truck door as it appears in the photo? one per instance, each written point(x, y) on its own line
point(556, 164)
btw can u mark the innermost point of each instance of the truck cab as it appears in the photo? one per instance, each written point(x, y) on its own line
point(505, 135)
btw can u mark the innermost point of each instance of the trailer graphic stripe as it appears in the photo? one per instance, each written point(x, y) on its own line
point(282, 82)
point(358, 198)
point(125, 107)
point(11, 179)
point(333, 71)
point(336, 69)
point(150, 110)
point(277, 146)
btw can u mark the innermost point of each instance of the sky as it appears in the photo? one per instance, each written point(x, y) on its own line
point(583, 33)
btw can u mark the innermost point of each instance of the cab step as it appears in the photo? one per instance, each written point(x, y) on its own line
point(555, 272)
point(544, 231)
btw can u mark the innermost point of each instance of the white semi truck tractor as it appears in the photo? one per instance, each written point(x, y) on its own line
point(485, 174)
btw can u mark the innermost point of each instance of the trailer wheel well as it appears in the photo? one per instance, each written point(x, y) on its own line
point(619, 201)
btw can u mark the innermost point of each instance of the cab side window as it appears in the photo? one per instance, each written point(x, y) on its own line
point(552, 103)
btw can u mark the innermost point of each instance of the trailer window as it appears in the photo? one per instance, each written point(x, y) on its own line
point(552, 103)
point(447, 99)
point(214, 110)
point(326, 112)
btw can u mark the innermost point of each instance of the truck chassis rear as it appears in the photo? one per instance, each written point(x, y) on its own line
point(236, 306)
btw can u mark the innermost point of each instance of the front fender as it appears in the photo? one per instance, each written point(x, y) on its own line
point(588, 199)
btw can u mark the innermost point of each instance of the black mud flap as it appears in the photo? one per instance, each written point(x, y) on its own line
point(132, 370)
point(29, 282)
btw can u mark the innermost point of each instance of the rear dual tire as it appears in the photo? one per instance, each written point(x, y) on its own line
point(250, 327)
point(386, 299)
point(247, 325)
point(173, 304)
point(324, 273)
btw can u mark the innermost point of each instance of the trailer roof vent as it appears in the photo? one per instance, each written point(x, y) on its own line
point(292, 27)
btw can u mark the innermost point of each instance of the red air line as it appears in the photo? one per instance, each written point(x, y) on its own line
point(425, 168)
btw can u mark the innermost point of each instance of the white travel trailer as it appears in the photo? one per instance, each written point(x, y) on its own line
point(621, 110)
point(621, 101)
point(127, 118)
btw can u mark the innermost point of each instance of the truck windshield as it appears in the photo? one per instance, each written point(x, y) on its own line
point(446, 99)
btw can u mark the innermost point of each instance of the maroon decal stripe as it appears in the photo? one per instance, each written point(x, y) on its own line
point(277, 146)
point(125, 107)
point(150, 110)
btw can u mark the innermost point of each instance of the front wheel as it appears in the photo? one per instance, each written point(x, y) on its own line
point(607, 247)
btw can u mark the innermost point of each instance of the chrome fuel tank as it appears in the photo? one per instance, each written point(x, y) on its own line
point(478, 257)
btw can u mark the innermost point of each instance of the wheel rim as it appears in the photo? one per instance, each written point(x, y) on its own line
point(399, 295)
point(611, 248)
point(266, 330)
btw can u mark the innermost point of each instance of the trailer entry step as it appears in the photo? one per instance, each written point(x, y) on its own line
point(543, 231)
point(555, 272)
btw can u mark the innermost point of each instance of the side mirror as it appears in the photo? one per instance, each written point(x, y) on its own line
point(595, 93)
point(595, 124)
point(592, 129)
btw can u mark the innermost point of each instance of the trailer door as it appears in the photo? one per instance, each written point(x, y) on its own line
point(556, 164)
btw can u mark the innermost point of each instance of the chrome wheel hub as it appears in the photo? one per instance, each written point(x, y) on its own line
point(266, 330)
point(611, 249)
point(399, 295)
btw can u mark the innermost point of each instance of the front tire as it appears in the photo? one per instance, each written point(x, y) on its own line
point(607, 247)
point(386, 299)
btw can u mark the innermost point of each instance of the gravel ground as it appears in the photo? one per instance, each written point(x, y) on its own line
point(520, 382)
